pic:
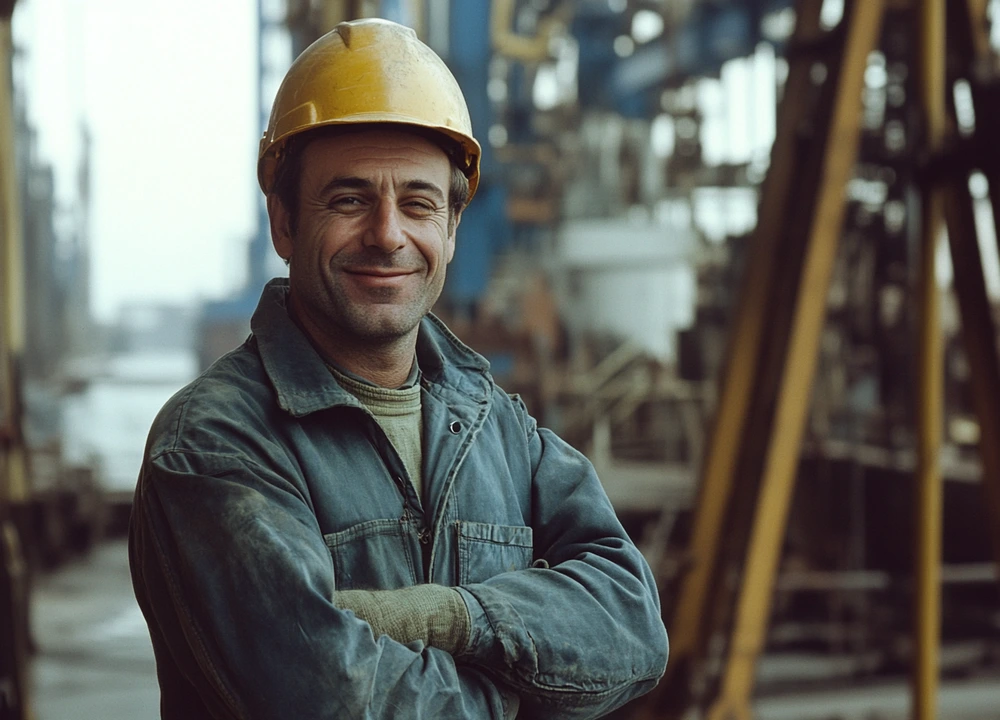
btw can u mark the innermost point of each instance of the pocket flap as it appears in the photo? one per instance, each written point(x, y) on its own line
point(501, 534)
point(486, 550)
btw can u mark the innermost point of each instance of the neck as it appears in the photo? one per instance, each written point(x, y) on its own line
point(385, 363)
point(377, 369)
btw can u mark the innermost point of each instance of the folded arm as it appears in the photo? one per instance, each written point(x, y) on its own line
point(583, 635)
point(578, 638)
point(229, 556)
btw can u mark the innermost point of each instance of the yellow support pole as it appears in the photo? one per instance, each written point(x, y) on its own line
point(10, 220)
point(864, 20)
point(932, 23)
point(14, 694)
point(719, 469)
point(14, 482)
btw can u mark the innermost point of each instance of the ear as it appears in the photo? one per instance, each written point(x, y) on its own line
point(449, 252)
point(281, 229)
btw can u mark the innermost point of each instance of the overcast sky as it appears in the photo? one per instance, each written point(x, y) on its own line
point(168, 90)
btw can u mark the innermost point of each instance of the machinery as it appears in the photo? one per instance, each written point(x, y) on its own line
point(752, 458)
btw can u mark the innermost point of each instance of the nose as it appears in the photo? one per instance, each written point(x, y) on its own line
point(385, 231)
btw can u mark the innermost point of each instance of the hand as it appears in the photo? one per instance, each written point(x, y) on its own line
point(434, 614)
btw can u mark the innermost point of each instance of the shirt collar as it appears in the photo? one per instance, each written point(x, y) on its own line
point(412, 379)
point(303, 383)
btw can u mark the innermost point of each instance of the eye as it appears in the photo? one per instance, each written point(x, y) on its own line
point(345, 203)
point(420, 207)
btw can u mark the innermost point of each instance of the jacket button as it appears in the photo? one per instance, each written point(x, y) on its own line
point(455, 427)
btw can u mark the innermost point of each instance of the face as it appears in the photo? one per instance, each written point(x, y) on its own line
point(368, 257)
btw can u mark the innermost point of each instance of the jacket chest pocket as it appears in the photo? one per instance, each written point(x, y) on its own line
point(486, 550)
point(375, 555)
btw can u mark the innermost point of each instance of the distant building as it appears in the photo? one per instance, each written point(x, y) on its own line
point(56, 257)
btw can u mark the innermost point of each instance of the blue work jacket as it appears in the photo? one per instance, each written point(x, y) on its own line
point(266, 486)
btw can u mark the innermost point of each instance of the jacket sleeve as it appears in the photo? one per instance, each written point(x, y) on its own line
point(584, 635)
point(235, 579)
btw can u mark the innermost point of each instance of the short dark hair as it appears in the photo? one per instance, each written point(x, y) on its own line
point(289, 172)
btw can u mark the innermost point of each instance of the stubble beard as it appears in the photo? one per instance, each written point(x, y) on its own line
point(377, 323)
point(380, 320)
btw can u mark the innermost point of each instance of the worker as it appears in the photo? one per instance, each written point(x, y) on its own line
point(345, 517)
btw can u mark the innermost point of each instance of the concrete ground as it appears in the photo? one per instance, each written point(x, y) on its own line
point(94, 658)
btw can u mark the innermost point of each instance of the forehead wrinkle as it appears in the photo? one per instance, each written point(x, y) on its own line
point(381, 147)
point(385, 144)
point(376, 159)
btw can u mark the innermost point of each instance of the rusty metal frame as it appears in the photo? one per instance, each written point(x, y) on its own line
point(689, 626)
point(772, 351)
point(971, 43)
point(862, 24)
point(787, 371)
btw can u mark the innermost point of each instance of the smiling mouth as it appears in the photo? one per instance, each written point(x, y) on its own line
point(379, 278)
point(379, 272)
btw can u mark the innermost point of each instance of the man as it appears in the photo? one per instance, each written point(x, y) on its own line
point(345, 517)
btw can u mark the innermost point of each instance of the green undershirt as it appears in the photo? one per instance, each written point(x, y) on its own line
point(398, 413)
point(430, 613)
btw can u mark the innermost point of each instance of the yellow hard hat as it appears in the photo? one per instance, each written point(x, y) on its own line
point(368, 71)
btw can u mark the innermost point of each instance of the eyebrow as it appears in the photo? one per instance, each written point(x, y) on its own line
point(357, 183)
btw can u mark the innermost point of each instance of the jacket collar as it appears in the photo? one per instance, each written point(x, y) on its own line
point(303, 383)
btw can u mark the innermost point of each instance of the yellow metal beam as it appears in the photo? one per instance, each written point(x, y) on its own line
point(10, 220)
point(689, 622)
point(863, 21)
point(14, 693)
point(13, 483)
point(930, 396)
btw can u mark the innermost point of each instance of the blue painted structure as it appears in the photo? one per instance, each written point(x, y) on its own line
point(485, 229)
point(714, 32)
